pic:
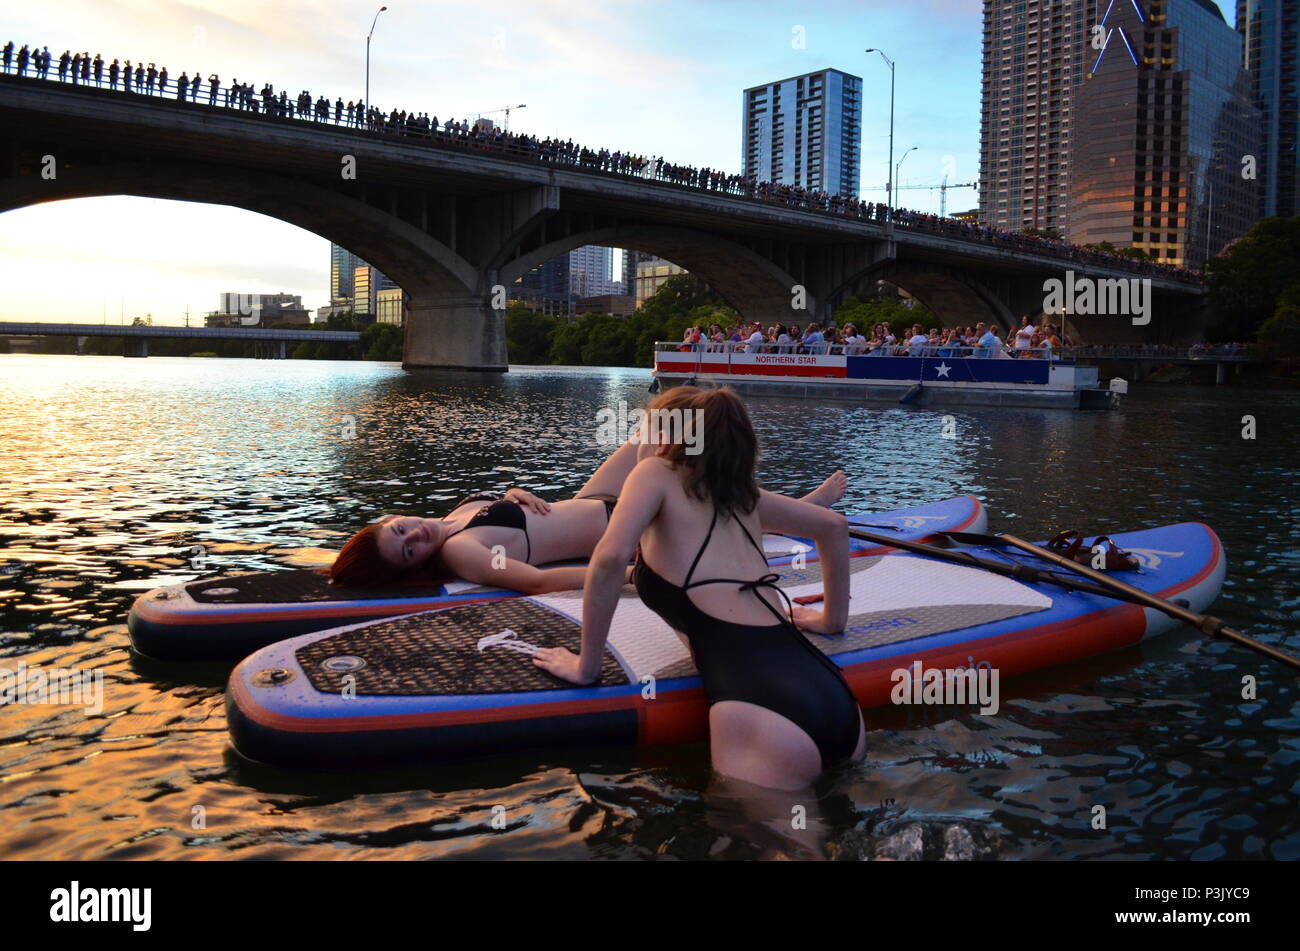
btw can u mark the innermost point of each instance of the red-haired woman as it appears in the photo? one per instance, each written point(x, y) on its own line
point(780, 710)
point(500, 541)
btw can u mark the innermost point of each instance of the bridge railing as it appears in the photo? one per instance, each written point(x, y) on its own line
point(321, 112)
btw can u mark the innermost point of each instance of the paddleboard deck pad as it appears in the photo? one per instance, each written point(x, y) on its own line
point(459, 681)
point(228, 618)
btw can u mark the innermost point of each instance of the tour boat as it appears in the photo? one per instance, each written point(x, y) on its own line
point(940, 379)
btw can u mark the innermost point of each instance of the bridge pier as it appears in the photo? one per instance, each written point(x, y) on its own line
point(135, 347)
point(460, 333)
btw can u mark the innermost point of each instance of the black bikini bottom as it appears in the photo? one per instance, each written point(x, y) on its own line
point(609, 501)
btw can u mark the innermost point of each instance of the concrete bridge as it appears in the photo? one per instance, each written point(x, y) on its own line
point(453, 224)
point(270, 342)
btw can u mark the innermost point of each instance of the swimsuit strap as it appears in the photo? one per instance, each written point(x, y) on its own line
point(768, 580)
point(700, 554)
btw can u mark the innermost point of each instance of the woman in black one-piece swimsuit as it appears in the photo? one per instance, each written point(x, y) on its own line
point(780, 710)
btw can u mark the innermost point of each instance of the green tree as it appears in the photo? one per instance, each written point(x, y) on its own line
point(1248, 280)
point(382, 342)
point(528, 334)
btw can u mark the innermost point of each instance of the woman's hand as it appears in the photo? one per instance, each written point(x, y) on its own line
point(563, 663)
point(814, 622)
point(527, 499)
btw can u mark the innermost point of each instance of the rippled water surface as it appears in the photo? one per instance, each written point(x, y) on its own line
point(120, 475)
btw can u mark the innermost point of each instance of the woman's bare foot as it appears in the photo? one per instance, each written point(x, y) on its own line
point(830, 491)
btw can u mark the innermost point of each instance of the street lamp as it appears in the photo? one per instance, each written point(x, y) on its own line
point(900, 161)
point(368, 36)
point(889, 189)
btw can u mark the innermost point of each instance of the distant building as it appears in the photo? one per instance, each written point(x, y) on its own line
point(651, 272)
point(1169, 117)
point(972, 216)
point(806, 131)
point(619, 305)
point(258, 310)
point(352, 278)
point(1033, 61)
point(1270, 30)
point(546, 288)
point(388, 306)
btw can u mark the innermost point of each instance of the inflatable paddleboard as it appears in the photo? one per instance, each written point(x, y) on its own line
point(459, 682)
point(228, 618)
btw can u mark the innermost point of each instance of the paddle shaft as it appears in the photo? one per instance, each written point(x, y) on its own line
point(1202, 622)
point(1025, 573)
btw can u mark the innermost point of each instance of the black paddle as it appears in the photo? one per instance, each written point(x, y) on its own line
point(1202, 622)
point(1020, 572)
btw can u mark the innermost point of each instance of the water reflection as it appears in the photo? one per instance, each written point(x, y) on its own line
point(119, 475)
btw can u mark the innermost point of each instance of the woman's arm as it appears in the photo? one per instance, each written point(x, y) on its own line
point(830, 531)
point(639, 503)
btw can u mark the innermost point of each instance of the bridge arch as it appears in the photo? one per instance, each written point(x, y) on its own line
point(755, 286)
point(956, 296)
point(421, 265)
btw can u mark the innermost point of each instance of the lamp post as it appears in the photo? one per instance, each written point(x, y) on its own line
point(889, 189)
point(368, 36)
point(900, 162)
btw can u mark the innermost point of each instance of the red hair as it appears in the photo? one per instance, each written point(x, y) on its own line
point(361, 565)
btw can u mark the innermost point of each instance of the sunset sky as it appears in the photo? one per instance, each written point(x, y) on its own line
point(656, 77)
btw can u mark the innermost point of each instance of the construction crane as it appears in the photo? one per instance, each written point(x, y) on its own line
point(943, 191)
point(506, 109)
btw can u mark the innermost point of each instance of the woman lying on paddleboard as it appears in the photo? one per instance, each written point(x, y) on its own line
point(499, 541)
point(780, 711)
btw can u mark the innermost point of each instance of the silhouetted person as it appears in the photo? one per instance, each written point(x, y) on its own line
point(181, 85)
point(113, 70)
point(162, 81)
point(22, 60)
point(126, 75)
point(85, 68)
point(99, 70)
point(139, 77)
point(195, 83)
point(45, 63)
point(214, 87)
point(76, 66)
point(8, 54)
point(150, 78)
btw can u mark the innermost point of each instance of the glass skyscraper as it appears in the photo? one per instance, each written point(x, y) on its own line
point(806, 131)
point(1163, 122)
point(1270, 30)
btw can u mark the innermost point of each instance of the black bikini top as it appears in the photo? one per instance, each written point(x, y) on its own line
point(499, 514)
point(673, 604)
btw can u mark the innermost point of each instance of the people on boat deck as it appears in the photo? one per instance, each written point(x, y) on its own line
point(1026, 341)
point(499, 540)
point(780, 711)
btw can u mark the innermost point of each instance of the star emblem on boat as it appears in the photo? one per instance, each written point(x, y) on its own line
point(942, 369)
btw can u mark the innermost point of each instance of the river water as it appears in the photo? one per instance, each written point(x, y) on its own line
point(115, 474)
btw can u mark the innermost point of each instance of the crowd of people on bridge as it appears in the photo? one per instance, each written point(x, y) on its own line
point(981, 340)
point(141, 78)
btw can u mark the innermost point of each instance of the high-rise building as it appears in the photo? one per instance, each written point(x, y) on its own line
point(806, 131)
point(1033, 61)
point(651, 273)
point(1270, 30)
point(591, 271)
point(343, 264)
point(546, 288)
point(344, 268)
point(1163, 124)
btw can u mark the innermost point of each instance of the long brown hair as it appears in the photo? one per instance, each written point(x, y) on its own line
point(723, 472)
point(359, 564)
